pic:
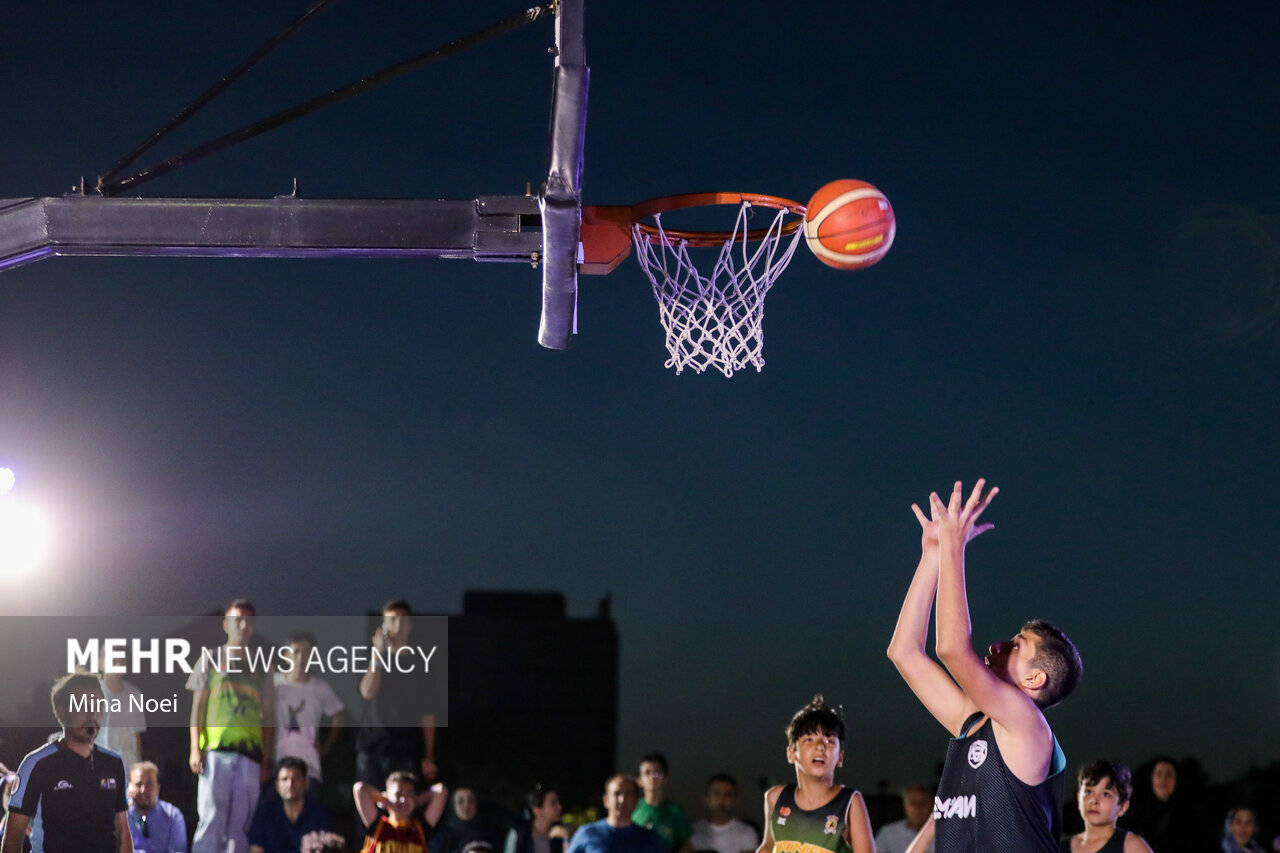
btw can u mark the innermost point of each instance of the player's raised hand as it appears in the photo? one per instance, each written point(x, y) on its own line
point(928, 530)
point(957, 519)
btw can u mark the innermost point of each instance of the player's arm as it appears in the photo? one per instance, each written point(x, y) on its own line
point(429, 746)
point(433, 801)
point(1025, 739)
point(331, 733)
point(929, 681)
point(770, 800)
point(367, 799)
point(124, 838)
point(1133, 843)
point(15, 831)
point(371, 681)
point(255, 848)
point(199, 709)
point(858, 826)
point(923, 838)
point(265, 767)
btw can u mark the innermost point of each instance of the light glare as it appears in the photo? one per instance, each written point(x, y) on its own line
point(24, 533)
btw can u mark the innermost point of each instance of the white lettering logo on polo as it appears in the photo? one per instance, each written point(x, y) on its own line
point(63, 785)
point(977, 753)
point(955, 807)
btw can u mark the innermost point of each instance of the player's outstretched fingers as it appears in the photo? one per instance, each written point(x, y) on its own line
point(975, 497)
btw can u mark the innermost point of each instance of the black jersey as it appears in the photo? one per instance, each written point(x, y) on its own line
point(72, 800)
point(820, 830)
point(981, 807)
point(1115, 844)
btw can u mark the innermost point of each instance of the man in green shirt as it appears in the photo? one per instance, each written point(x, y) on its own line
point(658, 813)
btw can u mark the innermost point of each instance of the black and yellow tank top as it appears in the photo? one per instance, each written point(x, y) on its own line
point(822, 830)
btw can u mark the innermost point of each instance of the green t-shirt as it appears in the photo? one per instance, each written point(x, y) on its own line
point(667, 819)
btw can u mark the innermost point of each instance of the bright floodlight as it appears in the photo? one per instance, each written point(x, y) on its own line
point(6, 480)
point(23, 534)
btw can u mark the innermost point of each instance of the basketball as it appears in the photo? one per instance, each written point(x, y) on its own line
point(849, 224)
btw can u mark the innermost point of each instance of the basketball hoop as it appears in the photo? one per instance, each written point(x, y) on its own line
point(714, 316)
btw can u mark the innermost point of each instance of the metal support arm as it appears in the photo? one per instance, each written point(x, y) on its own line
point(490, 228)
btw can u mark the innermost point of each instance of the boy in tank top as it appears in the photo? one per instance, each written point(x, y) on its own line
point(815, 815)
point(1002, 782)
point(1103, 789)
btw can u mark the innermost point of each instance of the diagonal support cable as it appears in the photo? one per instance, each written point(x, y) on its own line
point(216, 89)
point(332, 97)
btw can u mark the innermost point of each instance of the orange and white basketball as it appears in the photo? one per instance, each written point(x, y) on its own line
point(849, 224)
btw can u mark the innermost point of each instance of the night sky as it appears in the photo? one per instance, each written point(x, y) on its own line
point(1081, 305)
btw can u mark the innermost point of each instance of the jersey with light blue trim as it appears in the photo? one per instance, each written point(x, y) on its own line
point(72, 800)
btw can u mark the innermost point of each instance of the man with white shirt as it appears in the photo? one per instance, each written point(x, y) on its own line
point(303, 701)
point(720, 830)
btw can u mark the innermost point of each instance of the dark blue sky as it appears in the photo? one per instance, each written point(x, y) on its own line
point(1081, 306)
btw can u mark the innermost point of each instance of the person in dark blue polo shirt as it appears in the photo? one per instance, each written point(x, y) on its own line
point(71, 792)
point(280, 822)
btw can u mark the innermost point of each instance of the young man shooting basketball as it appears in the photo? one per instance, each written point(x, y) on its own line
point(1002, 783)
point(815, 815)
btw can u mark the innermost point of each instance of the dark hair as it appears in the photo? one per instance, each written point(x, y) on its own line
point(404, 777)
point(1056, 656)
point(816, 718)
point(655, 758)
point(292, 762)
point(62, 690)
point(722, 777)
point(535, 799)
point(397, 604)
point(1231, 815)
point(303, 637)
point(623, 777)
point(1121, 780)
point(242, 604)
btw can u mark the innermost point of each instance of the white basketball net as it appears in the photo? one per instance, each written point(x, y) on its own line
point(715, 320)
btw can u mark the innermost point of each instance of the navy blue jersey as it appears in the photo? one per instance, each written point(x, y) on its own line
point(981, 807)
point(72, 801)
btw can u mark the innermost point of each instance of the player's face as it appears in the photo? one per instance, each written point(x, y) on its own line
point(722, 801)
point(291, 784)
point(918, 806)
point(1242, 827)
point(143, 789)
point(653, 779)
point(550, 810)
point(300, 650)
point(464, 803)
point(1011, 659)
point(620, 798)
point(238, 623)
point(396, 625)
point(1164, 779)
point(1099, 803)
point(83, 725)
point(816, 754)
point(400, 799)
